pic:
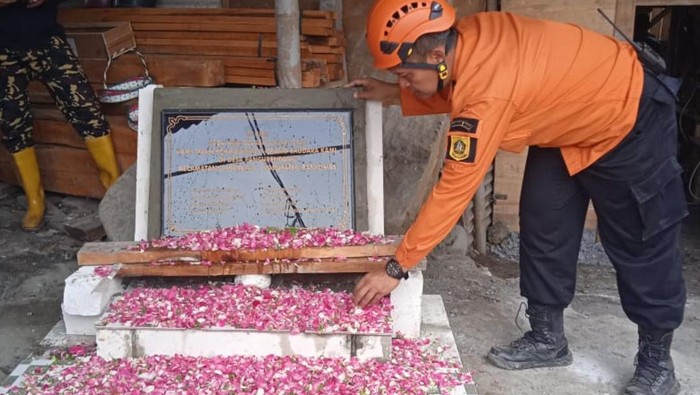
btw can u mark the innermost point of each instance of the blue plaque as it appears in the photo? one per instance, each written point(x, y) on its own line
point(269, 168)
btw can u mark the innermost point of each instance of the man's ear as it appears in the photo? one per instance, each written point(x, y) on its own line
point(437, 55)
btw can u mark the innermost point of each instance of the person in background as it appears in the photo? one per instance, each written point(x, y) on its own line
point(599, 125)
point(33, 46)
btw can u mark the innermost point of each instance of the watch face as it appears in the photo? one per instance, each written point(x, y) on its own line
point(393, 269)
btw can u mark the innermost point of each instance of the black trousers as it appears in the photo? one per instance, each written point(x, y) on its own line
point(637, 193)
point(54, 64)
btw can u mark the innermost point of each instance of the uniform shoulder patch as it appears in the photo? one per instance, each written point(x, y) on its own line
point(464, 125)
point(461, 148)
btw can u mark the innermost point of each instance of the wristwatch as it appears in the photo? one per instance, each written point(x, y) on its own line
point(394, 270)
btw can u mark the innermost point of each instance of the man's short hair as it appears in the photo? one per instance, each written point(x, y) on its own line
point(426, 43)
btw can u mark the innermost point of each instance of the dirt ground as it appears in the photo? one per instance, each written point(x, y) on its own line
point(481, 298)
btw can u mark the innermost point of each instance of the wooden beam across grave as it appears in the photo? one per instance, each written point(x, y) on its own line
point(93, 254)
point(325, 266)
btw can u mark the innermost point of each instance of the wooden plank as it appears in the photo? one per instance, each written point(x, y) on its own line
point(65, 170)
point(61, 133)
point(248, 72)
point(579, 12)
point(38, 93)
point(99, 40)
point(624, 16)
point(76, 14)
point(250, 62)
point(48, 112)
point(166, 70)
point(232, 36)
point(330, 58)
point(207, 50)
point(352, 265)
point(666, 3)
point(246, 80)
point(200, 19)
point(311, 78)
point(120, 252)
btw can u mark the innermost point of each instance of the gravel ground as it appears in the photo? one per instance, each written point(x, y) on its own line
point(591, 253)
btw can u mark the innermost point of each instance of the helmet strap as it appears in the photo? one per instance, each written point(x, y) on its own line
point(440, 68)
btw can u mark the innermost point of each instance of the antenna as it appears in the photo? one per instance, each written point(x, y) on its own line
point(646, 54)
point(617, 29)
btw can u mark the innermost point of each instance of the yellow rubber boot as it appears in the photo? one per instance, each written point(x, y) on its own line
point(28, 170)
point(102, 152)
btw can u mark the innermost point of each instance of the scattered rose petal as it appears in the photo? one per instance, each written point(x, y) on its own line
point(246, 307)
point(413, 370)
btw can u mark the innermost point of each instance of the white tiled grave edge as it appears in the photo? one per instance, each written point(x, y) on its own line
point(435, 326)
point(127, 342)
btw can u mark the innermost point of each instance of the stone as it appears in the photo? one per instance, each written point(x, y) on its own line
point(87, 294)
point(118, 206)
point(497, 233)
point(88, 228)
point(80, 204)
point(406, 299)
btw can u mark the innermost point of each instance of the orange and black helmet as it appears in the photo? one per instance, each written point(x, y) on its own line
point(395, 25)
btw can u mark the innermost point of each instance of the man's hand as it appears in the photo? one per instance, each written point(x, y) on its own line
point(374, 89)
point(34, 3)
point(372, 287)
point(7, 2)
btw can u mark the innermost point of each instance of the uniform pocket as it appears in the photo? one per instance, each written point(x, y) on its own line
point(660, 198)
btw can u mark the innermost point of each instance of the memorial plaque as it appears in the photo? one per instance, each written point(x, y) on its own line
point(270, 168)
point(270, 157)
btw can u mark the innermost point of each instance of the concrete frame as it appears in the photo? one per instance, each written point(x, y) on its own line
point(239, 99)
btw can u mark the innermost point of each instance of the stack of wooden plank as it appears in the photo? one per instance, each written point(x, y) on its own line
point(243, 39)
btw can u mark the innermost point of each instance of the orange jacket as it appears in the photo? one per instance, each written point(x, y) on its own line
point(518, 82)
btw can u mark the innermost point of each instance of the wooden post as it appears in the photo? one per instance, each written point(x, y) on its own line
point(375, 167)
point(491, 5)
point(480, 219)
point(288, 49)
point(143, 161)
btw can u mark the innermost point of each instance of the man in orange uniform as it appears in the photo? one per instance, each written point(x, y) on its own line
point(599, 127)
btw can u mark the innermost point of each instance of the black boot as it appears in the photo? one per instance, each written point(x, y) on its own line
point(543, 346)
point(654, 374)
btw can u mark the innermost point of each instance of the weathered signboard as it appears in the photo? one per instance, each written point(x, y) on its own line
point(271, 168)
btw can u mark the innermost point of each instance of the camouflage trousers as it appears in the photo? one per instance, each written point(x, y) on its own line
point(58, 69)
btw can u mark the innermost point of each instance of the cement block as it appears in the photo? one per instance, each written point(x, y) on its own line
point(80, 324)
point(256, 280)
point(406, 299)
point(87, 294)
point(121, 342)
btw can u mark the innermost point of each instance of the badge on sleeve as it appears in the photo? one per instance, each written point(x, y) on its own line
point(461, 148)
point(464, 125)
